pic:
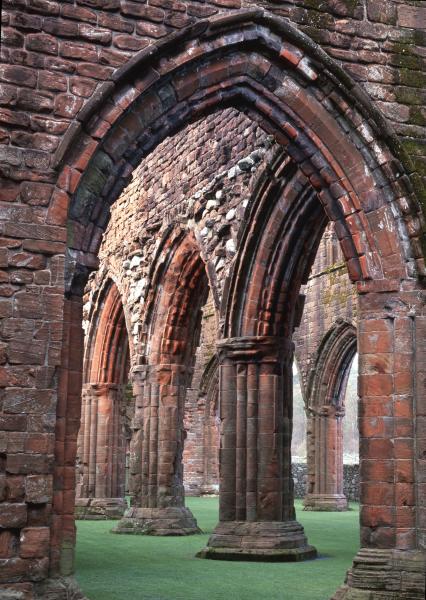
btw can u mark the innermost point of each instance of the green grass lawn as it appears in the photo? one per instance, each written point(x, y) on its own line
point(126, 567)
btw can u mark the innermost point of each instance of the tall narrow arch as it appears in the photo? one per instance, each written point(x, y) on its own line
point(107, 352)
point(209, 389)
point(201, 450)
point(179, 288)
point(327, 380)
point(325, 393)
point(101, 446)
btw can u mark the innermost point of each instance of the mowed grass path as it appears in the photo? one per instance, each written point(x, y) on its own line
point(126, 567)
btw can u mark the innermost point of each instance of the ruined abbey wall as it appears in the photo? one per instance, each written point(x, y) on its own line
point(89, 88)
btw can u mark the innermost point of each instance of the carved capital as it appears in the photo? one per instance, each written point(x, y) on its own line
point(254, 349)
point(329, 411)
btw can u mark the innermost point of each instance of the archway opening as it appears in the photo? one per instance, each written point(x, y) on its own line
point(103, 438)
point(332, 169)
point(178, 291)
point(201, 420)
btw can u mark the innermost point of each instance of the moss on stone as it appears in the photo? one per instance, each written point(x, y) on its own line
point(414, 147)
point(409, 96)
point(412, 78)
point(417, 116)
point(419, 37)
point(315, 34)
point(406, 60)
point(343, 7)
point(420, 165)
point(317, 19)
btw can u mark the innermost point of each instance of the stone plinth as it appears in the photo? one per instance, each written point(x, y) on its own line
point(53, 588)
point(325, 502)
point(271, 541)
point(99, 508)
point(385, 575)
point(176, 520)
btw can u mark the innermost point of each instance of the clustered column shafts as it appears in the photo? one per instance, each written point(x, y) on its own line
point(257, 517)
point(156, 472)
point(325, 460)
point(101, 484)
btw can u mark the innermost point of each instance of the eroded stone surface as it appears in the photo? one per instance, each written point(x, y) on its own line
point(259, 541)
point(169, 521)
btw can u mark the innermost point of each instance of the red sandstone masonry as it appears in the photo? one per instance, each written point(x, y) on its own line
point(27, 157)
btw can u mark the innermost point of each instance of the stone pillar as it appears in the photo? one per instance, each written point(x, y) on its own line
point(392, 560)
point(101, 453)
point(211, 436)
point(156, 472)
point(325, 460)
point(257, 516)
point(201, 452)
point(62, 537)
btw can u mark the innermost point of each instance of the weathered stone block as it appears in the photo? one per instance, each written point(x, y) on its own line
point(13, 515)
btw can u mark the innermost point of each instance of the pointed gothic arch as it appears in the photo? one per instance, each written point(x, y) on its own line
point(279, 77)
point(325, 393)
point(178, 290)
point(101, 445)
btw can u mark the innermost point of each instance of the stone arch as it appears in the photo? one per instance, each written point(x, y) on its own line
point(326, 389)
point(261, 309)
point(178, 290)
point(101, 445)
point(346, 154)
point(327, 379)
point(279, 242)
point(177, 268)
point(293, 89)
point(107, 355)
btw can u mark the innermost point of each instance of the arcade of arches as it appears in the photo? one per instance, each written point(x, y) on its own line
point(198, 199)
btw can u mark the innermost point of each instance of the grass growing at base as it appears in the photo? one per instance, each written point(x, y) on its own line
point(126, 567)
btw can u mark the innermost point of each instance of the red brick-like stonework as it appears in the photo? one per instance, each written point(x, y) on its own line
point(89, 90)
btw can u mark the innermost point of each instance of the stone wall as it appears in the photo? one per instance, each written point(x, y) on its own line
point(201, 419)
point(350, 481)
point(78, 118)
point(200, 180)
point(57, 54)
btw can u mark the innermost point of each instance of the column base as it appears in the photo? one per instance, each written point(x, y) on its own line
point(96, 509)
point(211, 489)
point(202, 490)
point(325, 502)
point(385, 575)
point(53, 588)
point(262, 541)
point(173, 520)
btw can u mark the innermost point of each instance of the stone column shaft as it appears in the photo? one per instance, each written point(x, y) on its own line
point(325, 460)
point(257, 518)
point(156, 472)
point(392, 560)
point(100, 493)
